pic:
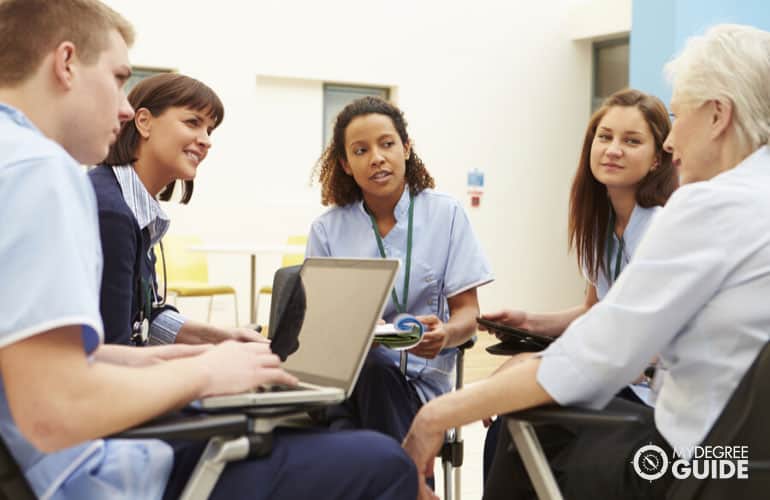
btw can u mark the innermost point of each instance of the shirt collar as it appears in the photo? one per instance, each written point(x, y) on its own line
point(401, 208)
point(18, 117)
point(144, 206)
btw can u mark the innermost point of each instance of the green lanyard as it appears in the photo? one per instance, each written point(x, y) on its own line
point(400, 307)
point(610, 245)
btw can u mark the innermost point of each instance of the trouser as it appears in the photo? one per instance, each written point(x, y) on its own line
point(588, 463)
point(383, 400)
point(322, 464)
point(490, 440)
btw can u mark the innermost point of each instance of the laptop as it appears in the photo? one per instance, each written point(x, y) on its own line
point(322, 320)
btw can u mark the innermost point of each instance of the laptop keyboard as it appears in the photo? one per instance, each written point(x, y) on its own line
point(279, 388)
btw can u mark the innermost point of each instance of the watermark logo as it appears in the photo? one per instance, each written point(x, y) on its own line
point(651, 462)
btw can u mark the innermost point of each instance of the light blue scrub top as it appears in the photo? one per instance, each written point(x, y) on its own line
point(632, 235)
point(51, 264)
point(447, 259)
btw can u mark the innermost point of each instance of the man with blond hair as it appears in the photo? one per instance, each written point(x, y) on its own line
point(63, 65)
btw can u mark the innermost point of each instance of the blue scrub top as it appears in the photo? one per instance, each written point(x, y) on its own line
point(447, 260)
point(51, 264)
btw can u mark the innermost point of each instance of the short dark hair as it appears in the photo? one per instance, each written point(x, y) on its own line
point(338, 188)
point(157, 94)
point(29, 29)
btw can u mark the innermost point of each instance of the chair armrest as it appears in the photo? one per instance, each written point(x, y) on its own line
point(189, 427)
point(468, 344)
point(571, 415)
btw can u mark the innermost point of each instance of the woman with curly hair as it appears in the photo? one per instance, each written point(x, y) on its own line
point(384, 206)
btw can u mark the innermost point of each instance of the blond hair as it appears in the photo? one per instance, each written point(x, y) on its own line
point(30, 29)
point(728, 62)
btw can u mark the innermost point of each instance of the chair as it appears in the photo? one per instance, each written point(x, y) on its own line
point(743, 421)
point(287, 260)
point(230, 437)
point(187, 272)
point(452, 450)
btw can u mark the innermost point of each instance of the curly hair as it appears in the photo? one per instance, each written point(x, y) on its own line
point(588, 208)
point(339, 188)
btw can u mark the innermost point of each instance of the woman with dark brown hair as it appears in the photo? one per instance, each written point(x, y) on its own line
point(624, 177)
point(168, 138)
point(384, 206)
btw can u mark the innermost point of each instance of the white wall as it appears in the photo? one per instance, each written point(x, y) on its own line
point(488, 84)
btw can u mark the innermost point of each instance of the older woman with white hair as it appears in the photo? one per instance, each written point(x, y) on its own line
point(696, 292)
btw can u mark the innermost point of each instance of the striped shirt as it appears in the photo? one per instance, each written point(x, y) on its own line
point(150, 215)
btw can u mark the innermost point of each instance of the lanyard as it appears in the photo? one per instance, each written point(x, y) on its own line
point(400, 307)
point(148, 300)
point(610, 245)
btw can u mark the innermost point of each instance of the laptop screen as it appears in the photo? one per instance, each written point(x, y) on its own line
point(344, 298)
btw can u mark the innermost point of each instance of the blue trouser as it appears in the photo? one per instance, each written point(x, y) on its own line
point(309, 464)
point(383, 400)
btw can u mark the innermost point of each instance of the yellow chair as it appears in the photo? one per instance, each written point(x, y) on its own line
point(288, 259)
point(187, 272)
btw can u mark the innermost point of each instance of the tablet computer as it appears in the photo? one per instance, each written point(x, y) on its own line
point(516, 336)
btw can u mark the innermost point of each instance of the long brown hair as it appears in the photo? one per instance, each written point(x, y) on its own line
point(157, 94)
point(339, 188)
point(589, 206)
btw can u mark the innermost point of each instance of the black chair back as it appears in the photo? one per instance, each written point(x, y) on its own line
point(287, 311)
point(13, 484)
point(743, 422)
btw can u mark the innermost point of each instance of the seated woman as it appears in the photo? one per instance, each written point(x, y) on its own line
point(61, 390)
point(623, 179)
point(694, 293)
point(384, 207)
point(166, 142)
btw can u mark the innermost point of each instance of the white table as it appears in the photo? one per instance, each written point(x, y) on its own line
point(252, 251)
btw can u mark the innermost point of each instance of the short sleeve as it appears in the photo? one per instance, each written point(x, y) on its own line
point(467, 266)
point(49, 250)
point(317, 241)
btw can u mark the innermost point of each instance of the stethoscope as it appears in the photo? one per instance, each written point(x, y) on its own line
point(149, 300)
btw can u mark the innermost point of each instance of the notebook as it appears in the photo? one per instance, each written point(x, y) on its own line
point(323, 318)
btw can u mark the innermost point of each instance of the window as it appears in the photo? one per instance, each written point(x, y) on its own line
point(336, 97)
point(139, 73)
point(610, 69)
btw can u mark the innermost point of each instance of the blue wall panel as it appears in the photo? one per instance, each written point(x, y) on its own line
point(660, 28)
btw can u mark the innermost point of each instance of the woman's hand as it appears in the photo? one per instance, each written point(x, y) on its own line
point(433, 340)
point(421, 444)
point(246, 335)
point(510, 317)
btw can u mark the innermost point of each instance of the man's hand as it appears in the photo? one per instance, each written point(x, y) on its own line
point(235, 367)
point(433, 340)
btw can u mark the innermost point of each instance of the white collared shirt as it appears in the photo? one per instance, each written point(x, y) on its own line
point(696, 292)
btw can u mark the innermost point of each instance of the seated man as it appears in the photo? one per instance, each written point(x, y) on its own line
point(61, 103)
point(695, 292)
